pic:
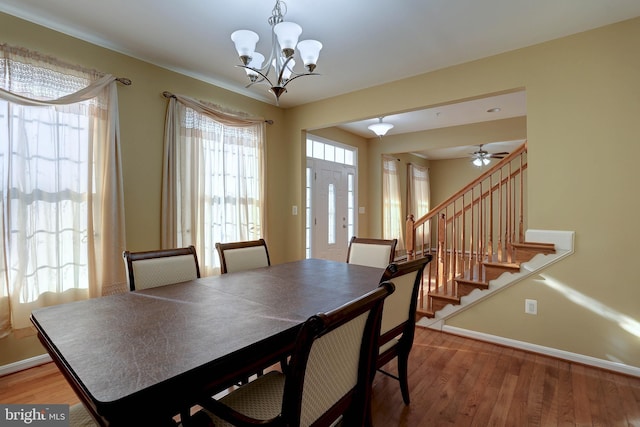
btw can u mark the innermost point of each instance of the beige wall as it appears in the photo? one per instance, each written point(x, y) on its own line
point(142, 114)
point(583, 93)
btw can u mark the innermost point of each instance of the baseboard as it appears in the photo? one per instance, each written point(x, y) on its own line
point(564, 242)
point(546, 351)
point(24, 364)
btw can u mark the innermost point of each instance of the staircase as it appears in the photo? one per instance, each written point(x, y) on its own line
point(475, 237)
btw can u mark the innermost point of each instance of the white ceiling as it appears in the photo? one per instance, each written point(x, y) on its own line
point(366, 42)
point(510, 105)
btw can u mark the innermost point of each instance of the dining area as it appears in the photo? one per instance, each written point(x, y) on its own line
point(162, 353)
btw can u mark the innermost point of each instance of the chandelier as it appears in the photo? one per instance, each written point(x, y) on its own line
point(284, 40)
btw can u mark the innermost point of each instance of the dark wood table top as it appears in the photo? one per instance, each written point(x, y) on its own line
point(170, 344)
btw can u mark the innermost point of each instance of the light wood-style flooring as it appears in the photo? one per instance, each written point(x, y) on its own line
point(454, 381)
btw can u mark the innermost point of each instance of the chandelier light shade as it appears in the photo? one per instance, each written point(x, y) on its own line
point(310, 52)
point(381, 128)
point(480, 161)
point(284, 42)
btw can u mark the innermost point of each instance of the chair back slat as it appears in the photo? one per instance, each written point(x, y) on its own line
point(154, 272)
point(400, 308)
point(396, 308)
point(241, 256)
point(371, 252)
point(339, 350)
point(161, 267)
point(245, 259)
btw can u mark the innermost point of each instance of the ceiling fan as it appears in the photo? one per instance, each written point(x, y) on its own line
point(483, 157)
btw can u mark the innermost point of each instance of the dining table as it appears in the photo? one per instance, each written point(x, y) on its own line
point(141, 357)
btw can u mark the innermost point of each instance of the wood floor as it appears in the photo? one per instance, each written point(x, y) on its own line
point(454, 381)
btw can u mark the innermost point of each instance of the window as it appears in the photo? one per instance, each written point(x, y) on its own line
point(330, 151)
point(418, 192)
point(392, 221)
point(308, 213)
point(331, 214)
point(418, 198)
point(54, 162)
point(214, 180)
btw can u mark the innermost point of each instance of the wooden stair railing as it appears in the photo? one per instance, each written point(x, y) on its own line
point(475, 235)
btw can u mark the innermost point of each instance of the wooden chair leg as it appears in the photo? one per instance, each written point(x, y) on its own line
point(403, 362)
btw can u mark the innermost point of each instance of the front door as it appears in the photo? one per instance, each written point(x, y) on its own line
point(332, 209)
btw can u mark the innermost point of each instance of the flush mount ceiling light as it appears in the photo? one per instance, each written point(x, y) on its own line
point(284, 41)
point(380, 128)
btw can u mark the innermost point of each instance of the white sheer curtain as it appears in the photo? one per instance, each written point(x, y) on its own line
point(418, 192)
point(392, 220)
point(62, 214)
point(213, 179)
point(418, 196)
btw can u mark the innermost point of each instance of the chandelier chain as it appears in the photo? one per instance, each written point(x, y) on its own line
point(278, 13)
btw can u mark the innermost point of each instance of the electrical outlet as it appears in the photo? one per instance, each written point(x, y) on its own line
point(531, 306)
point(294, 210)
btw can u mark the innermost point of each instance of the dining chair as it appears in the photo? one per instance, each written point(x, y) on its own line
point(330, 375)
point(245, 255)
point(399, 318)
point(371, 252)
point(161, 267)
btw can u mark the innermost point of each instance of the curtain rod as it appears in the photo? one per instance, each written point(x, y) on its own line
point(167, 94)
point(125, 81)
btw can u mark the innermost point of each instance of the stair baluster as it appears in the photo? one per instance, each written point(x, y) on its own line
point(474, 235)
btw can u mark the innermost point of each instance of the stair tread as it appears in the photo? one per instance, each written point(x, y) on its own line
point(476, 275)
point(436, 294)
point(426, 313)
point(473, 282)
point(479, 273)
point(535, 244)
point(543, 248)
point(501, 264)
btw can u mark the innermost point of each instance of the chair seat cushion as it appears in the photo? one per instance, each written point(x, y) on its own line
point(260, 399)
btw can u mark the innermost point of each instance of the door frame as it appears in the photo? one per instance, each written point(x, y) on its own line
point(309, 222)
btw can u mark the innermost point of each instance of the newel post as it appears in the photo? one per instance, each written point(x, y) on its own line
point(411, 237)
